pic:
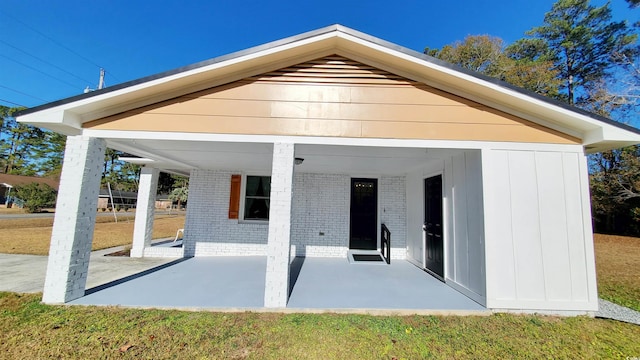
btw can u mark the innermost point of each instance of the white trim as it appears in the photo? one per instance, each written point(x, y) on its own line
point(466, 292)
point(568, 305)
point(318, 140)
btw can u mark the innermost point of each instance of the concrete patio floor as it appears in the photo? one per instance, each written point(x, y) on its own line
point(319, 284)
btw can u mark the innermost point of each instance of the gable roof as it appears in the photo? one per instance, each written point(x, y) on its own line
point(68, 115)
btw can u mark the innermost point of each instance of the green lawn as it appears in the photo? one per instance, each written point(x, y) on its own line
point(30, 330)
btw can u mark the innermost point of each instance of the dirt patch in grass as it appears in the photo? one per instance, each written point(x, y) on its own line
point(32, 236)
point(31, 330)
point(618, 269)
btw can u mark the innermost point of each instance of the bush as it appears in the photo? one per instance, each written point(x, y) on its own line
point(36, 196)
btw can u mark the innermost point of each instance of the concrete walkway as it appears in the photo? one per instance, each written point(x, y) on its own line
point(25, 273)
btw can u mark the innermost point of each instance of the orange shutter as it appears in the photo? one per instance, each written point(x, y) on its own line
point(234, 199)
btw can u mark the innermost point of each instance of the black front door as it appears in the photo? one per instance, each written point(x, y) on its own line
point(364, 214)
point(434, 249)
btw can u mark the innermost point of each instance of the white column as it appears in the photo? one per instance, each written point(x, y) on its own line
point(74, 221)
point(145, 210)
point(276, 291)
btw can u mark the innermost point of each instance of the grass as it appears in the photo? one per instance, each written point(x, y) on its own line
point(30, 330)
point(32, 236)
point(618, 269)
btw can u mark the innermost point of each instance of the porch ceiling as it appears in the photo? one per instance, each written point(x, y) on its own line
point(181, 156)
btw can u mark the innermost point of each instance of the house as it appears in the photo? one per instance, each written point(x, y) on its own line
point(306, 146)
point(9, 181)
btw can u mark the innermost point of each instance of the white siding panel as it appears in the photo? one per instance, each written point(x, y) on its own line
point(553, 225)
point(501, 262)
point(475, 221)
point(526, 226)
point(448, 209)
point(575, 227)
point(460, 227)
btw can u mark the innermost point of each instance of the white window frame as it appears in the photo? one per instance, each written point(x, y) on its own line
point(243, 196)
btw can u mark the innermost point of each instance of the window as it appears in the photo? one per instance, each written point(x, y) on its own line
point(256, 197)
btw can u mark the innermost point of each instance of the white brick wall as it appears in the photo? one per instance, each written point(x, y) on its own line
point(393, 212)
point(320, 204)
point(208, 229)
point(74, 221)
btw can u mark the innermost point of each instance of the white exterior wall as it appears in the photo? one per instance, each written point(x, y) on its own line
point(208, 229)
point(464, 225)
point(539, 249)
point(320, 205)
point(463, 220)
point(392, 211)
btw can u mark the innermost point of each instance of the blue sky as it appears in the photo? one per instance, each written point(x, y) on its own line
point(133, 39)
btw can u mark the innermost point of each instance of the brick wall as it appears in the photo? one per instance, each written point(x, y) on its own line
point(393, 212)
point(320, 205)
point(208, 229)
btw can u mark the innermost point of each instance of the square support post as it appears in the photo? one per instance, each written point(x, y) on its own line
point(145, 210)
point(276, 292)
point(74, 220)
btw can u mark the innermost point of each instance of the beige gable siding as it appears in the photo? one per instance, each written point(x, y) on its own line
point(332, 96)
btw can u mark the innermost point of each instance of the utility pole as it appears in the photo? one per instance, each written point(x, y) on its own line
point(101, 82)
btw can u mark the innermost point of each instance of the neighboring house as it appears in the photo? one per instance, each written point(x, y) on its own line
point(8, 182)
point(307, 145)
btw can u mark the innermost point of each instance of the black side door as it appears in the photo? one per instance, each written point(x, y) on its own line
point(434, 249)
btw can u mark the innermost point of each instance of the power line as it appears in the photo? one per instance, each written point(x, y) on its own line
point(23, 93)
point(53, 40)
point(11, 102)
point(41, 72)
point(45, 61)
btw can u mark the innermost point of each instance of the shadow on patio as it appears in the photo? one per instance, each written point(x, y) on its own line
point(318, 284)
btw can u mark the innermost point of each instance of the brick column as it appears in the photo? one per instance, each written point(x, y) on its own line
point(276, 291)
point(145, 210)
point(74, 221)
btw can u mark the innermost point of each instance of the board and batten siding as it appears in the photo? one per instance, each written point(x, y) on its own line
point(539, 250)
point(464, 210)
point(332, 96)
point(463, 220)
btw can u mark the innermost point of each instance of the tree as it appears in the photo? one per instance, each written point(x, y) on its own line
point(36, 196)
point(28, 150)
point(525, 63)
point(615, 190)
point(180, 195)
point(633, 3)
point(480, 53)
point(582, 39)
